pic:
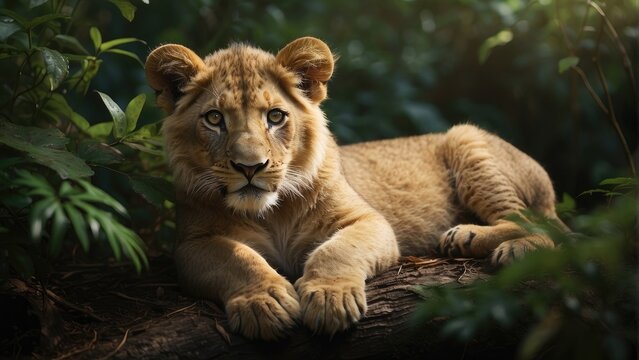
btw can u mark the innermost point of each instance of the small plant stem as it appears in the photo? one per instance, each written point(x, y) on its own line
point(613, 118)
point(611, 110)
point(591, 91)
point(72, 15)
point(627, 64)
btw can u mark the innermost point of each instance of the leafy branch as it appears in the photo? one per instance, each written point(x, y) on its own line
point(573, 60)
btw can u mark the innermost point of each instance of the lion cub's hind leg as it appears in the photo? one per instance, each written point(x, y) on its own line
point(505, 240)
point(485, 180)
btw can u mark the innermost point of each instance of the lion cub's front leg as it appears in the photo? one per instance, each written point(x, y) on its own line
point(259, 302)
point(332, 295)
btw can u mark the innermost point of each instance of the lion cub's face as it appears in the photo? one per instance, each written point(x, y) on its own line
point(244, 125)
point(244, 128)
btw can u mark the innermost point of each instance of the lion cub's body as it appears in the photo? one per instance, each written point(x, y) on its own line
point(411, 182)
point(266, 198)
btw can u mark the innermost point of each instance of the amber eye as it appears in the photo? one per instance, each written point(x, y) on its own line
point(276, 116)
point(213, 118)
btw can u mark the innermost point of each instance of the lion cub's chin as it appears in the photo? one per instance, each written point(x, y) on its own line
point(251, 200)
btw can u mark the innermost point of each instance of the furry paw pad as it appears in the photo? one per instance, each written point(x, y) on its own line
point(265, 313)
point(457, 241)
point(331, 305)
point(509, 251)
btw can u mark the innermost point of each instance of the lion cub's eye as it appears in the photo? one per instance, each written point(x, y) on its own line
point(213, 118)
point(276, 116)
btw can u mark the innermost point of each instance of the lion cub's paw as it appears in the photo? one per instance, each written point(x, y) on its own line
point(457, 241)
point(331, 305)
point(509, 251)
point(266, 312)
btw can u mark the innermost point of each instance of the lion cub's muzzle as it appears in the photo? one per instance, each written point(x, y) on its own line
point(253, 188)
point(249, 170)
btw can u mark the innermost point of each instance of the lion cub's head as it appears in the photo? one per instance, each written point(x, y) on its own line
point(244, 125)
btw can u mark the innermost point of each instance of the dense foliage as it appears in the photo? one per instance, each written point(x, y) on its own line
point(81, 159)
point(576, 301)
point(51, 151)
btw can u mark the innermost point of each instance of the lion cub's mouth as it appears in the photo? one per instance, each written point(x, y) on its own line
point(250, 190)
point(251, 198)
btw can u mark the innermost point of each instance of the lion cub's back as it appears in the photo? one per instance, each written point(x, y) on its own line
point(406, 181)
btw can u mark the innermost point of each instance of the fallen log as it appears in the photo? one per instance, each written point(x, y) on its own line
point(200, 330)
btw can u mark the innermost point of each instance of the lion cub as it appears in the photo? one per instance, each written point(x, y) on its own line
point(265, 197)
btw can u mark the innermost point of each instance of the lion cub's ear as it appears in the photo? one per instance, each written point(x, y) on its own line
point(168, 68)
point(312, 60)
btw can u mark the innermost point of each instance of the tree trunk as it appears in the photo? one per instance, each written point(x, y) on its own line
point(386, 331)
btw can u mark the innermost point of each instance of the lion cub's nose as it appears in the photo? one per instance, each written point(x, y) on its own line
point(249, 170)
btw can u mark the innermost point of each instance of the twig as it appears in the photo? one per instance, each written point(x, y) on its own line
point(63, 302)
point(179, 310)
point(627, 64)
point(569, 45)
point(120, 345)
point(222, 331)
point(613, 118)
point(154, 285)
point(81, 350)
point(463, 273)
point(131, 298)
point(591, 91)
point(604, 84)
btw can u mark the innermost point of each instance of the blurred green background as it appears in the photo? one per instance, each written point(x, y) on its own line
point(412, 67)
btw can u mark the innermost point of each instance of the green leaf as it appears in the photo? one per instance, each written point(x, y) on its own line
point(96, 37)
point(619, 181)
point(133, 110)
point(43, 20)
point(126, 53)
point(82, 78)
point(144, 149)
point(70, 43)
point(118, 116)
point(58, 107)
point(126, 8)
point(79, 225)
point(46, 147)
point(57, 67)
point(38, 216)
point(8, 27)
point(501, 38)
point(36, 3)
point(58, 230)
point(600, 191)
point(567, 63)
point(146, 132)
point(14, 15)
point(96, 194)
point(132, 245)
point(97, 152)
point(37, 184)
point(101, 130)
point(155, 190)
point(107, 223)
point(67, 190)
point(115, 42)
point(566, 207)
point(94, 225)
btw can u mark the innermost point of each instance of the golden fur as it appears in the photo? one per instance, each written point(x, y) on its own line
point(266, 197)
